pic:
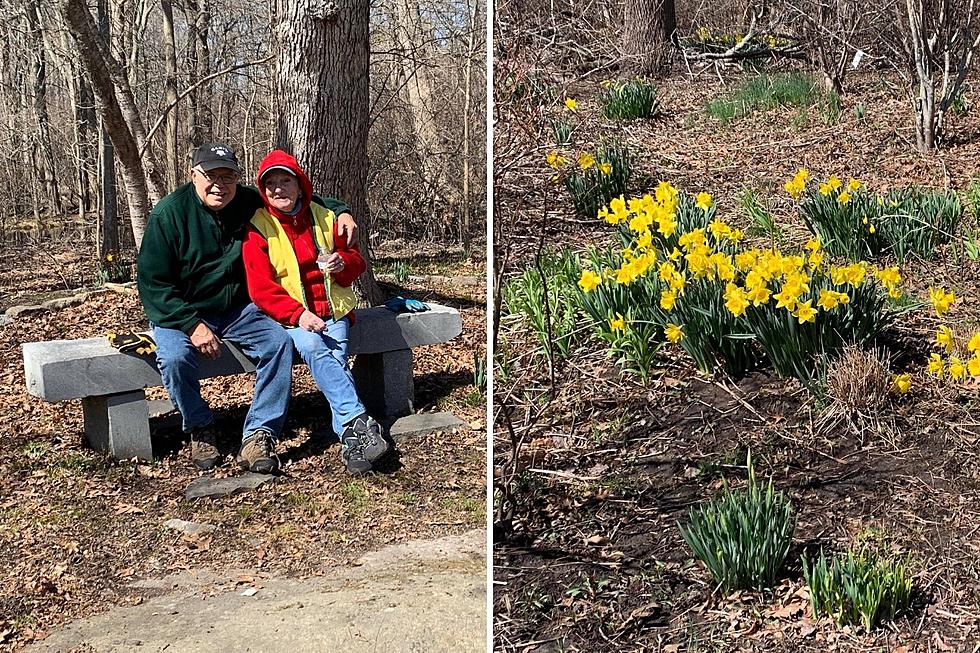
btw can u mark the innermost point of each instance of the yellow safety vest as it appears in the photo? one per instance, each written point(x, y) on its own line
point(283, 258)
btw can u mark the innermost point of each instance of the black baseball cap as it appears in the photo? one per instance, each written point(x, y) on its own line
point(215, 155)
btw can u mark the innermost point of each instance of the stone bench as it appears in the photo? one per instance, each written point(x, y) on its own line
point(112, 385)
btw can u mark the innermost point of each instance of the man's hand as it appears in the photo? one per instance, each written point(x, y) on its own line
point(310, 322)
point(347, 227)
point(205, 341)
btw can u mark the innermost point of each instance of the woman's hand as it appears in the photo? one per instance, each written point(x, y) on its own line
point(310, 322)
point(335, 263)
point(347, 227)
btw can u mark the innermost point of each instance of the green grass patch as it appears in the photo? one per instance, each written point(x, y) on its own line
point(356, 497)
point(763, 93)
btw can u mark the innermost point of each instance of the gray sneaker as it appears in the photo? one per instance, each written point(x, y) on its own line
point(257, 455)
point(204, 450)
point(372, 439)
point(352, 453)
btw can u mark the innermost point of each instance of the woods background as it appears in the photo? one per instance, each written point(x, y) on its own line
point(85, 150)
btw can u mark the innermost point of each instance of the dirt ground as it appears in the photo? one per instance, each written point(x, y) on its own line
point(78, 529)
point(588, 555)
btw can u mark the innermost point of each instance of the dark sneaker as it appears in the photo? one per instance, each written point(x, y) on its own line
point(257, 455)
point(372, 440)
point(204, 451)
point(352, 452)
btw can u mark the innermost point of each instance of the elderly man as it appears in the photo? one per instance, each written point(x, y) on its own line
point(192, 285)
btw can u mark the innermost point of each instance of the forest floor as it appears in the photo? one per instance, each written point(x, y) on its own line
point(587, 554)
point(79, 532)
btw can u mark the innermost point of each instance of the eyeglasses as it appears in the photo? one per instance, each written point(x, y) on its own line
point(223, 180)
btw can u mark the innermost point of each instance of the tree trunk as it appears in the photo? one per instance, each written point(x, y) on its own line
point(322, 104)
point(170, 95)
point(117, 119)
point(648, 26)
point(198, 62)
point(464, 226)
point(40, 105)
point(108, 215)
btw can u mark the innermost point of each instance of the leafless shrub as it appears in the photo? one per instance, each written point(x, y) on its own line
point(858, 385)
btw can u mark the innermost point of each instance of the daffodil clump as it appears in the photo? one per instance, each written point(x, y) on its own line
point(593, 179)
point(856, 223)
point(688, 273)
point(958, 355)
point(629, 100)
point(708, 41)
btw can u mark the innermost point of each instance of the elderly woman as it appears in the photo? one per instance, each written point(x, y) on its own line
point(299, 270)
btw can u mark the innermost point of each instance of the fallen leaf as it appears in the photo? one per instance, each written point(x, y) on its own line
point(788, 611)
point(128, 509)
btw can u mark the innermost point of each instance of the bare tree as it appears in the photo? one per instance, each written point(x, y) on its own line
point(943, 37)
point(118, 109)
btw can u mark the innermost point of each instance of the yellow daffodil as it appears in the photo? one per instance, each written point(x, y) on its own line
point(605, 168)
point(736, 300)
point(673, 332)
point(974, 344)
point(586, 161)
point(941, 300)
point(828, 300)
point(901, 383)
point(805, 313)
point(834, 182)
point(589, 281)
point(704, 201)
point(844, 197)
point(853, 185)
point(571, 104)
point(935, 366)
point(889, 277)
point(973, 366)
point(618, 324)
point(957, 370)
point(668, 299)
point(825, 189)
point(944, 338)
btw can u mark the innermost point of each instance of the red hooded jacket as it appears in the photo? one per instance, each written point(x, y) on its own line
point(267, 293)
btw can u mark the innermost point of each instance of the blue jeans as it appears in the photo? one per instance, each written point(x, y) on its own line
point(326, 355)
point(260, 338)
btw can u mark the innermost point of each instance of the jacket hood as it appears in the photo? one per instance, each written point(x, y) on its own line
point(280, 159)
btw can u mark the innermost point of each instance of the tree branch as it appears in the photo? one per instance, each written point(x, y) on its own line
point(190, 89)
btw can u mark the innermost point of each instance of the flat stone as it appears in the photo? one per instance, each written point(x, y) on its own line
point(64, 302)
point(365, 608)
point(424, 423)
point(191, 527)
point(15, 312)
point(215, 488)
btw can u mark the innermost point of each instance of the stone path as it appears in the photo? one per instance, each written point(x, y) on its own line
point(426, 595)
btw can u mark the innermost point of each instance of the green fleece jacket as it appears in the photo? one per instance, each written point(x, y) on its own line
point(190, 260)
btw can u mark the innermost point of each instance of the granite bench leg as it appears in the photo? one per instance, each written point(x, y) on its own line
point(384, 383)
point(119, 424)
